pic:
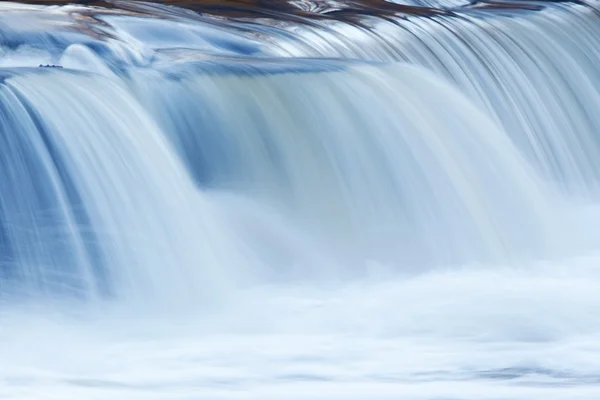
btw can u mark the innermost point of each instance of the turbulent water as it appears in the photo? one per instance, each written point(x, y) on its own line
point(303, 200)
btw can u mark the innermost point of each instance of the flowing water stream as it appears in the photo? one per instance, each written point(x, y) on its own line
point(303, 200)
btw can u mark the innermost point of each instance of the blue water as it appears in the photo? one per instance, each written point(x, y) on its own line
point(194, 206)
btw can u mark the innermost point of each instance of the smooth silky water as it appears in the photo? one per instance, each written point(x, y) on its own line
point(295, 207)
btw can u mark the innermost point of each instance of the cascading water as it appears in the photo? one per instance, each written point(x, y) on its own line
point(368, 175)
point(534, 72)
point(338, 200)
point(108, 168)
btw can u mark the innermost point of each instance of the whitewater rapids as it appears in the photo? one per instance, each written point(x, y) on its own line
point(466, 335)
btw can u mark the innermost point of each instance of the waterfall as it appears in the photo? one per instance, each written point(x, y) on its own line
point(413, 175)
point(535, 72)
point(373, 156)
point(99, 201)
point(317, 199)
point(141, 170)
